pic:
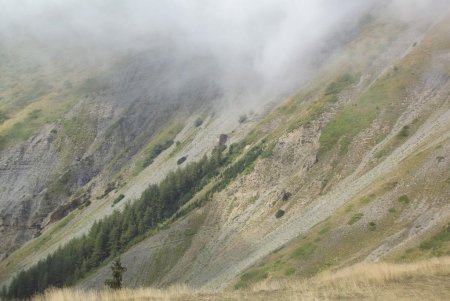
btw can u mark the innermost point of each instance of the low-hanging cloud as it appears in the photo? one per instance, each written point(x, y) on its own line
point(268, 44)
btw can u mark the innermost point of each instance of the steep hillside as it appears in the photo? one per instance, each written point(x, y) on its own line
point(356, 161)
point(70, 144)
point(353, 167)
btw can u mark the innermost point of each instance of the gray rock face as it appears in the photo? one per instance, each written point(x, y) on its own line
point(26, 170)
point(41, 178)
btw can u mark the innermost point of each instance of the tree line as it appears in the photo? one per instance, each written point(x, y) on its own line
point(114, 234)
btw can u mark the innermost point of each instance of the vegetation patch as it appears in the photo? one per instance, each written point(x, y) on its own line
point(251, 277)
point(404, 199)
point(118, 199)
point(162, 141)
point(22, 130)
point(198, 122)
point(181, 160)
point(436, 244)
point(356, 217)
point(3, 117)
point(367, 199)
point(279, 213)
point(304, 251)
point(243, 118)
point(357, 116)
point(324, 230)
point(80, 129)
point(333, 89)
point(155, 151)
point(286, 196)
point(289, 271)
point(404, 132)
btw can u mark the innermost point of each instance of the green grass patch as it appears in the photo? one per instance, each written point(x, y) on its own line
point(333, 89)
point(357, 116)
point(24, 129)
point(251, 277)
point(367, 199)
point(324, 230)
point(289, 271)
point(356, 217)
point(404, 199)
point(439, 244)
point(304, 251)
point(80, 129)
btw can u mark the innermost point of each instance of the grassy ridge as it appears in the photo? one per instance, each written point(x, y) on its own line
point(425, 280)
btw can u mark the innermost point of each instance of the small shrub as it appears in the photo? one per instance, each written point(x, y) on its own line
point(279, 213)
point(147, 161)
point(3, 117)
point(198, 122)
point(392, 210)
point(189, 232)
point(118, 199)
point(372, 226)
point(286, 196)
point(440, 158)
point(181, 160)
point(404, 199)
point(243, 118)
point(404, 132)
point(84, 205)
point(355, 218)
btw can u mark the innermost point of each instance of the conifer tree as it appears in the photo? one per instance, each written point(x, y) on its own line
point(117, 271)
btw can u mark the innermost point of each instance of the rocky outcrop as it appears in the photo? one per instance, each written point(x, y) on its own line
point(94, 139)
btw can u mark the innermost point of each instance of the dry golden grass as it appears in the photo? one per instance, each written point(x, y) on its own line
point(424, 280)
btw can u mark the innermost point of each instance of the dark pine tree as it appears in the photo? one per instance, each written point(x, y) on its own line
point(117, 271)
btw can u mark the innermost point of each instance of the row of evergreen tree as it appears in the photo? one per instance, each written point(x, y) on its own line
point(114, 234)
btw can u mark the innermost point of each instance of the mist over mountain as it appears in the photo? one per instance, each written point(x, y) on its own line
point(264, 47)
point(225, 145)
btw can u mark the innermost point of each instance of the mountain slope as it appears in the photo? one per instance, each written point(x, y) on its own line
point(353, 167)
point(356, 182)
